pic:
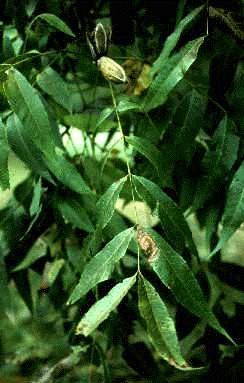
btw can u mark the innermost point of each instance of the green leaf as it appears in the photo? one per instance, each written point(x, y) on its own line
point(122, 107)
point(37, 251)
point(87, 122)
point(174, 272)
point(55, 22)
point(146, 148)
point(234, 209)
point(4, 149)
point(106, 203)
point(26, 104)
point(171, 73)
point(172, 220)
point(102, 308)
point(126, 105)
point(67, 173)
point(5, 296)
point(160, 325)
point(185, 126)
point(172, 40)
point(217, 162)
point(104, 115)
point(36, 198)
point(101, 266)
point(53, 84)
point(72, 210)
point(24, 148)
point(54, 270)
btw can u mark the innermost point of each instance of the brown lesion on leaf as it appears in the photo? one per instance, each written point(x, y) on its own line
point(147, 244)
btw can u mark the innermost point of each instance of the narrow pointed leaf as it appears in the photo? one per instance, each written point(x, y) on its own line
point(171, 73)
point(24, 148)
point(37, 251)
point(102, 264)
point(160, 325)
point(173, 39)
point(217, 161)
point(106, 203)
point(54, 270)
point(72, 211)
point(67, 173)
point(53, 84)
point(173, 222)
point(56, 22)
point(186, 123)
point(174, 272)
point(4, 150)
point(146, 148)
point(102, 308)
point(26, 104)
point(234, 209)
point(36, 198)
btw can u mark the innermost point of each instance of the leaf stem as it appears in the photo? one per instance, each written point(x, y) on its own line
point(122, 138)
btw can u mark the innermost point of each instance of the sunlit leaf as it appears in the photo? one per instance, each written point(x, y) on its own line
point(24, 148)
point(26, 104)
point(100, 267)
point(102, 308)
point(56, 22)
point(37, 193)
point(54, 270)
point(160, 325)
point(106, 203)
point(37, 251)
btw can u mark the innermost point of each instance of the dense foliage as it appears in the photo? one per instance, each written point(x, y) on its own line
point(100, 276)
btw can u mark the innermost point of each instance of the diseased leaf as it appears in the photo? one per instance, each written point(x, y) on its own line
point(233, 215)
point(102, 308)
point(4, 150)
point(56, 22)
point(146, 148)
point(160, 325)
point(174, 272)
point(106, 203)
point(26, 104)
point(171, 73)
point(172, 220)
point(102, 264)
